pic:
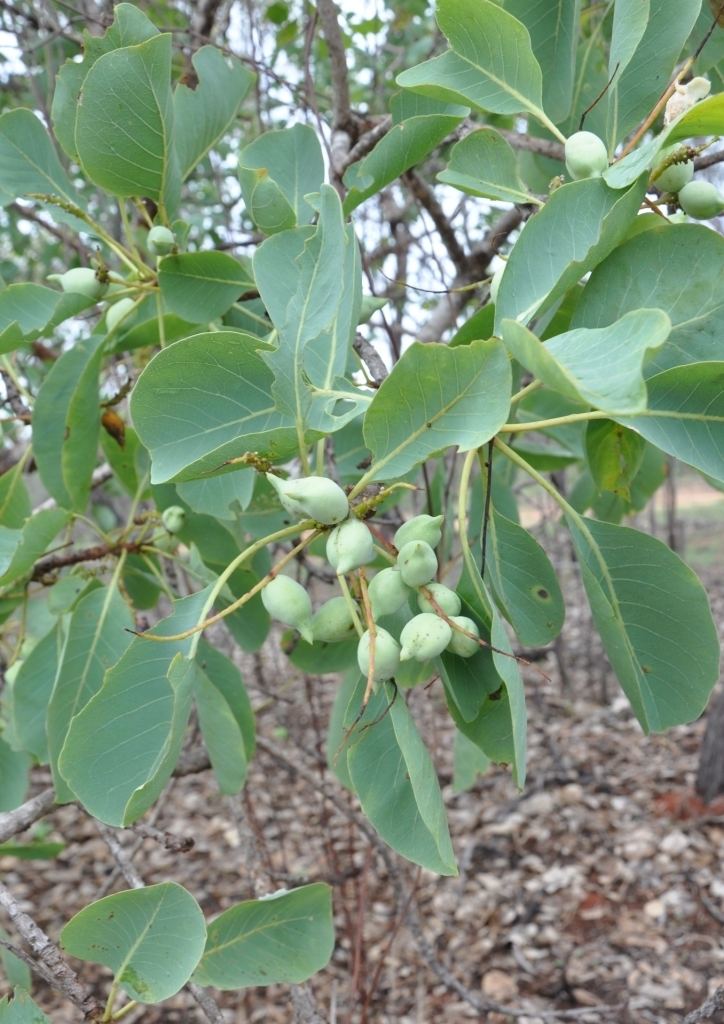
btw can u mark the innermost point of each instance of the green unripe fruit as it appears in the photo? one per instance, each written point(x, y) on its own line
point(160, 240)
point(350, 545)
point(586, 155)
point(287, 601)
point(332, 622)
point(701, 200)
point(118, 312)
point(312, 497)
point(173, 518)
point(417, 563)
point(424, 637)
point(675, 176)
point(495, 283)
point(82, 281)
point(422, 527)
point(464, 646)
point(387, 592)
point(387, 654)
point(447, 599)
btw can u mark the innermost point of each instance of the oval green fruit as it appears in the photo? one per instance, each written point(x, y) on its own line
point(173, 518)
point(423, 527)
point(82, 281)
point(701, 200)
point(287, 601)
point(118, 312)
point(387, 654)
point(312, 497)
point(424, 637)
point(349, 546)
point(332, 622)
point(586, 155)
point(675, 176)
point(464, 646)
point(417, 563)
point(160, 240)
point(387, 592)
point(447, 599)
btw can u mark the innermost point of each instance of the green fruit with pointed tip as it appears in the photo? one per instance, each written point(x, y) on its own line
point(424, 637)
point(701, 200)
point(424, 527)
point(118, 312)
point(312, 497)
point(675, 176)
point(387, 592)
point(349, 546)
point(81, 281)
point(332, 622)
point(417, 563)
point(447, 599)
point(464, 646)
point(586, 155)
point(287, 601)
point(173, 518)
point(387, 654)
point(160, 240)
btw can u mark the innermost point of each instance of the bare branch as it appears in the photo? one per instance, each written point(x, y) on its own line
point(428, 201)
point(371, 358)
point(13, 822)
point(368, 141)
point(342, 120)
point(706, 1011)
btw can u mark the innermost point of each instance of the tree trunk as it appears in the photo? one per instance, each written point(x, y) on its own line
point(710, 776)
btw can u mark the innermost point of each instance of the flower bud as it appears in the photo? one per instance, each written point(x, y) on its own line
point(160, 240)
point(173, 518)
point(387, 592)
point(701, 200)
point(288, 602)
point(118, 312)
point(423, 527)
point(417, 563)
point(332, 622)
point(350, 545)
point(387, 654)
point(82, 281)
point(312, 497)
point(464, 646)
point(586, 155)
point(447, 600)
point(675, 176)
point(424, 637)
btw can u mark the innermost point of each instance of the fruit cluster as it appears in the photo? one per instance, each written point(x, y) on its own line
point(350, 545)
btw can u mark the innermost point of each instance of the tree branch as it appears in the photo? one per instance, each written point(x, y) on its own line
point(90, 554)
point(342, 121)
point(13, 822)
point(371, 358)
point(706, 1011)
point(427, 200)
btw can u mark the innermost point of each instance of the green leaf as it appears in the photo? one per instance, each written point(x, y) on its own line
point(225, 676)
point(396, 783)
point(221, 496)
point(553, 30)
point(654, 619)
point(524, 582)
point(685, 415)
point(614, 456)
point(31, 690)
point(204, 113)
point(151, 938)
point(646, 42)
point(200, 286)
point(125, 120)
point(220, 727)
point(14, 765)
point(676, 268)
point(15, 505)
point(484, 164)
point(283, 938)
point(16, 971)
point(468, 762)
point(130, 26)
point(28, 162)
point(205, 400)
point(407, 142)
point(434, 398)
point(469, 681)
point(34, 850)
point(579, 226)
point(98, 634)
point(66, 422)
point(123, 746)
point(21, 1010)
point(311, 284)
point(289, 158)
point(601, 366)
point(490, 67)
point(37, 533)
point(29, 310)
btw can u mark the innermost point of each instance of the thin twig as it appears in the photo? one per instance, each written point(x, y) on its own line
point(13, 822)
point(706, 1011)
